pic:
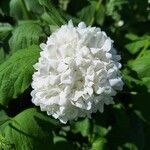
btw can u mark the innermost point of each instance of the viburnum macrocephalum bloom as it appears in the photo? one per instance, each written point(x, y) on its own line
point(77, 73)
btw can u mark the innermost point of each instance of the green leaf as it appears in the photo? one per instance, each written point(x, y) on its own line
point(142, 66)
point(100, 15)
point(131, 36)
point(127, 127)
point(34, 6)
point(113, 8)
point(16, 73)
point(54, 15)
point(146, 82)
point(99, 144)
point(82, 127)
point(135, 46)
point(4, 7)
point(25, 9)
point(141, 103)
point(2, 55)
point(26, 34)
point(3, 117)
point(130, 146)
point(90, 10)
point(4, 120)
point(137, 42)
point(4, 144)
point(95, 11)
point(64, 4)
point(17, 9)
point(129, 80)
point(61, 143)
point(122, 124)
point(100, 130)
point(5, 29)
point(49, 20)
point(30, 130)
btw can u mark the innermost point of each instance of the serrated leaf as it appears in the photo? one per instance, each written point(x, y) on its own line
point(26, 34)
point(4, 144)
point(30, 130)
point(16, 73)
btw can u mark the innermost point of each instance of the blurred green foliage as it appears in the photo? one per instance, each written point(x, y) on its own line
point(123, 126)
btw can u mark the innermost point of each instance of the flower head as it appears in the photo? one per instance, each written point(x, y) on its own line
point(77, 73)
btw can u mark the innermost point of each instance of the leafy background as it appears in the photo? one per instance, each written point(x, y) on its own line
point(24, 24)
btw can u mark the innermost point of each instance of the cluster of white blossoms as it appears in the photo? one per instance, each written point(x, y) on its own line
point(77, 73)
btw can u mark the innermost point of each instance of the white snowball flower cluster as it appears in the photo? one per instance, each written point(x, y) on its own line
point(77, 73)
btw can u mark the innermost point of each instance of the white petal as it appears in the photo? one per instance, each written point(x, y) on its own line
point(77, 73)
point(107, 45)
